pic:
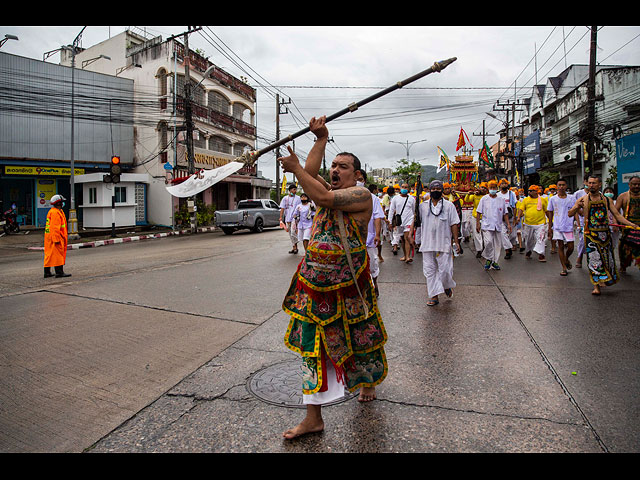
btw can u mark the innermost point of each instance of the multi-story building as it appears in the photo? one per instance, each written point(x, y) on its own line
point(223, 114)
point(38, 103)
point(553, 127)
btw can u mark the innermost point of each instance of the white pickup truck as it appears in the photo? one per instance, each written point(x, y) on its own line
point(253, 214)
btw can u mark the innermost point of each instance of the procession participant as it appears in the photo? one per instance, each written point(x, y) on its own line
point(303, 218)
point(403, 205)
point(552, 190)
point(615, 230)
point(598, 247)
point(492, 215)
point(374, 236)
point(55, 239)
point(629, 204)
point(561, 224)
point(580, 222)
point(533, 211)
point(450, 194)
point(517, 222)
point(440, 225)
point(467, 225)
point(287, 208)
point(475, 199)
point(386, 203)
point(510, 201)
point(335, 323)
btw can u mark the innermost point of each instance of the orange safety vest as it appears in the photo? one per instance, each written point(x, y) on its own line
point(55, 238)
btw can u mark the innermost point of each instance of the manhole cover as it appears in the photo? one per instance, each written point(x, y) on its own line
point(281, 385)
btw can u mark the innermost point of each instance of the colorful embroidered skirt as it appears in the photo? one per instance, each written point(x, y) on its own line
point(328, 319)
point(598, 248)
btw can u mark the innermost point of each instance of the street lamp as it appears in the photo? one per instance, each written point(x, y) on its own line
point(408, 145)
point(73, 220)
point(8, 36)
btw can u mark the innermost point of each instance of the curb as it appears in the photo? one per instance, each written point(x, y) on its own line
point(111, 241)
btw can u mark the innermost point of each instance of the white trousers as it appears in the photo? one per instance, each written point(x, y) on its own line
point(293, 232)
point(437, 268)
point(535, 238)
point(468, 222)
point(374, 263)
point(477, 237)
point(492, 245)
point(335, 389)
point(508, 240)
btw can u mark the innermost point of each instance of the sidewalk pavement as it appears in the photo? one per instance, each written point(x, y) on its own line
point(33, 239)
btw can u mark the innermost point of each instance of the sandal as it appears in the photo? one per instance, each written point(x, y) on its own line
point(564, 273)
point(448, 292)
point(433, 303)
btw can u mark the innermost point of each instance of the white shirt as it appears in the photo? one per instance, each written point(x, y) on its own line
point(492, 210)
point(376, 213)
point(289, 204)
point(435, 226)
point(397, 203)
point(560, 206)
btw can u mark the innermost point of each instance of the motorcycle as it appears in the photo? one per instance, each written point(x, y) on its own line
point(9, 222)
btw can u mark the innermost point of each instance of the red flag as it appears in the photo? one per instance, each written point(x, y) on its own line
point(460, 141)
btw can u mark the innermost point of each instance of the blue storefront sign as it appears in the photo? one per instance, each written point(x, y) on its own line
point(628, 157)
point(531, 153)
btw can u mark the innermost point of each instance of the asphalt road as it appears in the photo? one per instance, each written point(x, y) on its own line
point(161, 345)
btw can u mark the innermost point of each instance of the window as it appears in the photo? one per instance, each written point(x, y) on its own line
point(93, 195)
point(121, 194)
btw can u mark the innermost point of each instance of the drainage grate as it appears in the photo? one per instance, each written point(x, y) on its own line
point(281, 385)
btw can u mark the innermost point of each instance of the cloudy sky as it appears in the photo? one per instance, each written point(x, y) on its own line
point(322, 69)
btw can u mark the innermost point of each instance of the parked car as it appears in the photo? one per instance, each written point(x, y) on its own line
point(253, 214)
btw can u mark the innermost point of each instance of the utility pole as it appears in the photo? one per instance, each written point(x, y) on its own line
point(73, 219)
point(188, 118)
point(510, 107)
point(278, 113)
point(591, 99)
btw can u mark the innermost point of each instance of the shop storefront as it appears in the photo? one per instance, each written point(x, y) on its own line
point(30, 188)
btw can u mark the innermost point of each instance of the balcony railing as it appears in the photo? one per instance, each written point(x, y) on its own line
point(218, 119)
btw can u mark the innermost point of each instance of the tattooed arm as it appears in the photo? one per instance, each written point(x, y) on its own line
point(352, 199)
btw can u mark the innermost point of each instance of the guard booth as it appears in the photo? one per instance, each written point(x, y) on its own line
point(130, 200)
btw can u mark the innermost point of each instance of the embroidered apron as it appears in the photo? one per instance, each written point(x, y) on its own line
point(328, 319)
point(598, 244)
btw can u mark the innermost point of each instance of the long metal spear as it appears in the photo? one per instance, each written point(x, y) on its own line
point(250, 157)
point(203, 179)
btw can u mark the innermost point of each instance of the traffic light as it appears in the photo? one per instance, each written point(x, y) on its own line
point(114, 171)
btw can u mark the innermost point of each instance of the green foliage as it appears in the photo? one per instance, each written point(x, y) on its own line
point(408, 171)
point(548, 178)
point(205, 215)
point(612, 179)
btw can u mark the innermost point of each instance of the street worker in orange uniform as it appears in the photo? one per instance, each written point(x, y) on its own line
point(55, 239)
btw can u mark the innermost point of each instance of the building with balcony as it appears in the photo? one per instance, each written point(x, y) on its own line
point(552, 126)
point(223, 114)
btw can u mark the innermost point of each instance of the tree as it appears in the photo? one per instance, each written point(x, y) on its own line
point(408, 171)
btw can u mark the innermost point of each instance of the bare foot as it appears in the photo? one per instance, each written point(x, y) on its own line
point(402, 259)
point(596, 290)
point(308, 425)
point(367, 394)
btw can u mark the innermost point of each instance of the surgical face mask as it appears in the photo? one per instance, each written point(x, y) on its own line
point(360, 184)
point(292, 193)
point(404, 191)
point(493, 192)
point(436, 194)
point(608, 194)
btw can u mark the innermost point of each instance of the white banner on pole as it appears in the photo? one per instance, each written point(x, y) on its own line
point(203, 179)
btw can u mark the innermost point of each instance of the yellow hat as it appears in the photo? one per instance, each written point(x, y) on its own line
point(483, 184)
point(446, 185)
point(504, 180)
point(553, 187)
point(493, 183)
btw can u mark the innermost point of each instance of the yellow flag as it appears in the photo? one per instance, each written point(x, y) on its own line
point(284, 185)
